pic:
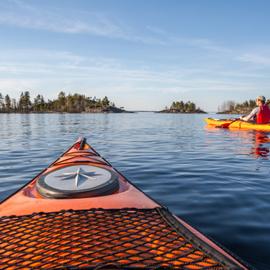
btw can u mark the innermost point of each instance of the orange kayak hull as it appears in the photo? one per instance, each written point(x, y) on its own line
point(126, 228)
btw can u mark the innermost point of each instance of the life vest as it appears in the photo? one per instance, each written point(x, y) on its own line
point(263, 116)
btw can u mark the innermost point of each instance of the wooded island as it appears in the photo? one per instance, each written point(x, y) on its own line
point(182, 107)
point(71, 103)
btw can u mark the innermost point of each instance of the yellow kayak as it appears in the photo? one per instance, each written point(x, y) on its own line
point(236, 124)
point(218, 122)
point(247, 125)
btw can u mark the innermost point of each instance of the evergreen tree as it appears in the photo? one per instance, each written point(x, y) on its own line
point(14, 105)
point(8, 103)
point(38, 105)
point(182, 105)
point(62, 101)
point(2, 104)
point(25, 102)
point(105, 102)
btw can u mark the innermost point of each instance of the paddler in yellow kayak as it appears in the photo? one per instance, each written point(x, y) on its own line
point(259, 115)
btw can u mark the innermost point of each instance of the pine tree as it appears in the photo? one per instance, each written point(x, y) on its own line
point(14, 105)
point(105, 102)
point(25, 102)
point(2, 105)
point(7, 103)
point(62, 101)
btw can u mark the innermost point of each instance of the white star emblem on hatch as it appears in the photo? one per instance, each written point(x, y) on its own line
point(80, 176)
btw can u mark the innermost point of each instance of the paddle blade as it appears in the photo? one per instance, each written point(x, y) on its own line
point(227, 124)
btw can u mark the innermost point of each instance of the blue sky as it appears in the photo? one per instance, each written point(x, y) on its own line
point(141, 54)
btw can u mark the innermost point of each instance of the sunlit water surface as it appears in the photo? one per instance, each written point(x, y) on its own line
point(217, 180)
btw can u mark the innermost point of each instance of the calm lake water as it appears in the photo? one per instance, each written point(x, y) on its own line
point(217, 180)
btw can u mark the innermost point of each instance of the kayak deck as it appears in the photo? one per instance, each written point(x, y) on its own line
point(142, 238)
point(124, 230)
point(236, 124)
point(247, 125)
point(217, 122)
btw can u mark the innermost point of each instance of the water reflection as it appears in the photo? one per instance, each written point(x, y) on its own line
point(261, 149)
point(245, 142)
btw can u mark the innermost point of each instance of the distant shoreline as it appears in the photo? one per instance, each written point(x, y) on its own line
point(232, 112)
point(71, 103)
point(176, 112)
point(117, 112)
point(55, 112)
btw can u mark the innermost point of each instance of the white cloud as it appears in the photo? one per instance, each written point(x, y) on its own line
point(22, 15)
point(48, 72)
point(202, 43)
point(46, 64)
point(255, 58)
point(14, 86)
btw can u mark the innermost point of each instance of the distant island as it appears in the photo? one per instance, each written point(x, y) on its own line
point(231, 107)
point(182, 107)
point(71, 103)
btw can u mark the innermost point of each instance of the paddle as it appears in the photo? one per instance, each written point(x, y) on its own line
point(226, 125)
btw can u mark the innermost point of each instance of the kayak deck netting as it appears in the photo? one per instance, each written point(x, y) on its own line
point(102, 239)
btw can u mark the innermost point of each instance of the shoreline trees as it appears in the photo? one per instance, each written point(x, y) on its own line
point(71, 103)
point(182, 107)
point(78, 103)
point(231, 107)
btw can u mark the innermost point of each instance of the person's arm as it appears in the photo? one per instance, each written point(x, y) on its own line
point(251, 115)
